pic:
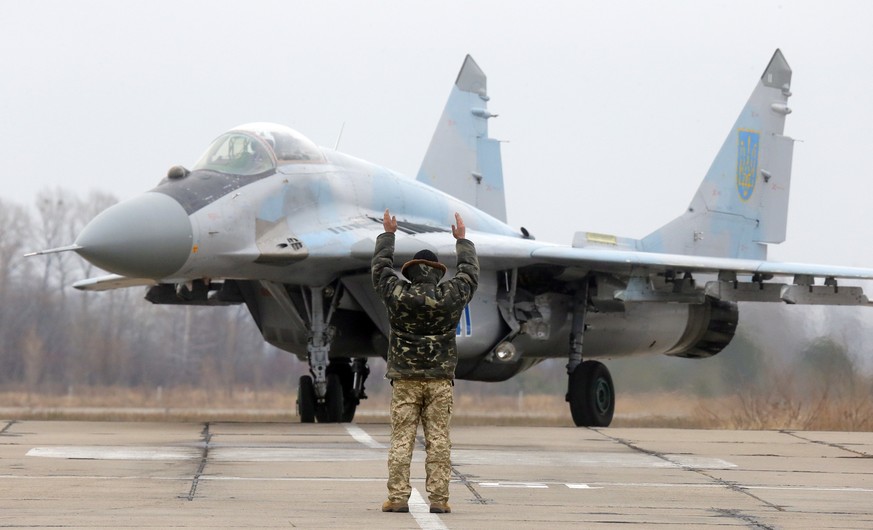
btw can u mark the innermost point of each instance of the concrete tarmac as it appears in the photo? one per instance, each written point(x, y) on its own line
point(272, 475)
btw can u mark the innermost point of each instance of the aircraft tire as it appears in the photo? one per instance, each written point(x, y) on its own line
point(334, 399)
point(343, 370)
point(591, 395)
point(306, 399)
point(349, 408)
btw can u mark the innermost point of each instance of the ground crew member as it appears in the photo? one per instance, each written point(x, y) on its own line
point(422, 356)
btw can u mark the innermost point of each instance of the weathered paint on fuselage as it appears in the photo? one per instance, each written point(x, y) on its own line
point(334, 209)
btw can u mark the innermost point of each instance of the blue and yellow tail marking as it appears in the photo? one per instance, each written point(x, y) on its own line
point(747, 162)
point(467, 321)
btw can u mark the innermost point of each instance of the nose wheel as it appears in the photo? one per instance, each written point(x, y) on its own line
point(306, 399)
point(328, 409)
point(345, 390)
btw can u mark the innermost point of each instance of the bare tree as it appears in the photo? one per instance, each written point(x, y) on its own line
point(15, 233)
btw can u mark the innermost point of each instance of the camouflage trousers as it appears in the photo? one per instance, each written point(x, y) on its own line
point(429, 401)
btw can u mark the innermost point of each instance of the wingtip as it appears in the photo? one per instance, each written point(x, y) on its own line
point(471, 78)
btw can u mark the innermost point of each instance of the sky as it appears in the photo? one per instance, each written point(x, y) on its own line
point(610, 112)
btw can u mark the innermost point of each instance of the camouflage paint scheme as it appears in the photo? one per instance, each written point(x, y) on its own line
point(271, 220)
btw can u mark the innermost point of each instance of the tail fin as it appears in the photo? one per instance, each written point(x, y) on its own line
point(742, 203)
point(461, 160)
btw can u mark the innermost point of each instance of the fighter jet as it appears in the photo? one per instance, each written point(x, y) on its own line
point(268, 219)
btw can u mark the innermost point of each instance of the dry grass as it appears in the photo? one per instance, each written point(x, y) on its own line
point(851, 411)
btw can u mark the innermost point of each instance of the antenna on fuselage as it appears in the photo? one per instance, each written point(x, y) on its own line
point(339, 136)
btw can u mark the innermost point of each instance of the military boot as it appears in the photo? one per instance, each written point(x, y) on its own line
point(389, 506)
point(440, 507)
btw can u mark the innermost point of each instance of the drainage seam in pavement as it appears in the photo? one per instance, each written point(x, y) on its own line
point(726, 483)
point(462, 477)
point(206, 436)
point(829, 444)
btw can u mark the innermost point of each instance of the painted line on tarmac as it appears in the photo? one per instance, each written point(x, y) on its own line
point(421, 512)
point(419, 509)
point(361, 436)
point(97, 452)
point(528, 485)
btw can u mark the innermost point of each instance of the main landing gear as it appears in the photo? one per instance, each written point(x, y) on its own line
point(590, 391)
point(334, 389)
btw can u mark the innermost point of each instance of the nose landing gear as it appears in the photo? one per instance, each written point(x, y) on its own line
point(345, 390)
point(333, 390)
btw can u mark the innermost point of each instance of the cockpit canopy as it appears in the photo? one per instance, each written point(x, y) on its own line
point(257, 148)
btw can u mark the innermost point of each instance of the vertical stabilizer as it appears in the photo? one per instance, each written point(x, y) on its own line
point(461, 160)
point(742, 203)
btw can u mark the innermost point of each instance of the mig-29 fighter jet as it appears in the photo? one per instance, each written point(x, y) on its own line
point(268, 219)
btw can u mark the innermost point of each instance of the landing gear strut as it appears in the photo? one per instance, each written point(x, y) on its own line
point(333, 390)
point(590, 391)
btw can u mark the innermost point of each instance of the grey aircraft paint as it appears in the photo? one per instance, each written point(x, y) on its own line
point(268, 219)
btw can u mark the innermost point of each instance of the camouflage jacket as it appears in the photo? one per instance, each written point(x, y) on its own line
point(423, 312)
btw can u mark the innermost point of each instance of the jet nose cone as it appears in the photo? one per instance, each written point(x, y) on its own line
point(149, 236)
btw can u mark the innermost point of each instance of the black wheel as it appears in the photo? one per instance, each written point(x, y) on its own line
point(349, 407)
point(321, 413)
point(343, 370)
point(591, 395)
point(306, 399)
point(334, 399)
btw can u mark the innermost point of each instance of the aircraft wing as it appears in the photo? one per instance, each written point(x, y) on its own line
point(623, 261)
point(496, 251)
point(661, 277)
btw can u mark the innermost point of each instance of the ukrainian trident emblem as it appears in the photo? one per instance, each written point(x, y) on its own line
point(747, 162)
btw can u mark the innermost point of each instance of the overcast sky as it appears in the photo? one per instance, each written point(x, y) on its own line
point(611, 111)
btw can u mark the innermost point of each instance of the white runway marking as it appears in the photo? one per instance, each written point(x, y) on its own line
point(533, 485)
point(420, 510)
point(361, 436)
point(115, 453)
point(699, 462)
point(292, 454)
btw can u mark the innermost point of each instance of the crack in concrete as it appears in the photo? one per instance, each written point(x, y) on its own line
point(733, 486)
point(206, 436)
point(828, 444)
point(7, 426)
point(462, 477)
